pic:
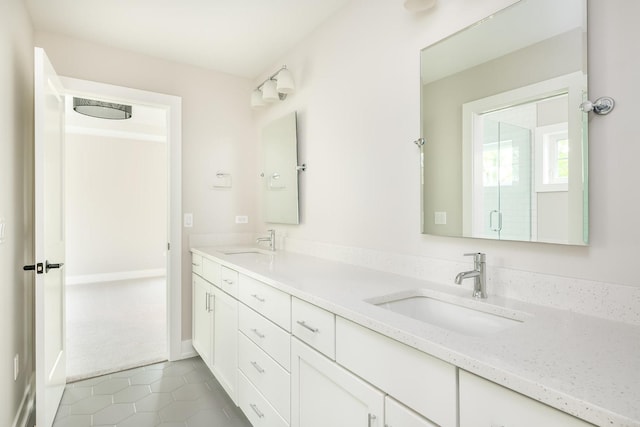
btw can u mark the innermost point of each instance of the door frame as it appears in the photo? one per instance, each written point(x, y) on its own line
point(173, 105)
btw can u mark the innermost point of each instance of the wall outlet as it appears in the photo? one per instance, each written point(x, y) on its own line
point(242, 219)
point(16, 366)
point(188, 220)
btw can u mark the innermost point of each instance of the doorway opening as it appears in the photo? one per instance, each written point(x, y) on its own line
point(123, 243)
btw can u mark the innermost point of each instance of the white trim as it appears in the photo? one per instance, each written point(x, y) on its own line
point(173, 106)
point(188, 350)
point(115, 276)
point(27, 405)
point(137, 136)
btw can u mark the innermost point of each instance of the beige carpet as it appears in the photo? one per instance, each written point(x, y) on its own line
point(113, 326)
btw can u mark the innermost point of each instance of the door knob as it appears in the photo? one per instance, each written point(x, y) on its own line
point(50, 266)
point(37, 267)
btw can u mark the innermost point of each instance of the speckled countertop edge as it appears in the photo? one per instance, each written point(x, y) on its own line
point(582, 365)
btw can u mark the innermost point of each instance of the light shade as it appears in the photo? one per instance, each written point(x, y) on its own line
point(270, 92)
point(256, 99)
point(418, 5)
point(285, 81)
point(101, 109)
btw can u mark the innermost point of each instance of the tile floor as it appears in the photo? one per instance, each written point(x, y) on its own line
point(116, 325)
point(170, 394)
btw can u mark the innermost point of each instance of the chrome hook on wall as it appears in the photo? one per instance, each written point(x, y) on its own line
point(420, 142)
point(601, 106)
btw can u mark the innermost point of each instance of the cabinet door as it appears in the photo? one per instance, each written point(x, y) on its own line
point(225, 341)
point(398, 415)
point(325, 394)
point(201, 307)
point(486, 404)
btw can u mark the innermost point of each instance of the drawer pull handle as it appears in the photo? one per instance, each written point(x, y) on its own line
point(259, 298)
point(255, 331)
point(228, 282)
point(304, 325)
point(195, 265)
point(206, 302)
point(370, 420)
point(212, 306)
point(256, 410)
point(258, 367)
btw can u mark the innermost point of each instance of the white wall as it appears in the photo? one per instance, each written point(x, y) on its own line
point(358, 102)
point(217, 132)
point(116, 205)
point(16, 207)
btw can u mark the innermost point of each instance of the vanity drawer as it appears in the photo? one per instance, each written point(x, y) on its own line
point(272, 303)
point(424, 383)
point(315, 326)
point(211, 271)
point(483, 403)
point(229, 281)
point(196, 264)
point(267, 335)
point(266, 375)
point(259, 412)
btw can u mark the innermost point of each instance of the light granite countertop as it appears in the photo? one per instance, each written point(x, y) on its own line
point(582, 365)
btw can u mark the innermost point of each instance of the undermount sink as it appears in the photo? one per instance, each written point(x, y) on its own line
point(242, 251)
point(467, 317)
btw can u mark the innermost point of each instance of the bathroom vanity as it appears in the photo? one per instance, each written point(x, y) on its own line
point(303, 342)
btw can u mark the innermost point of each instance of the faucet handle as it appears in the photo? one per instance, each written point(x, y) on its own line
point(477, 256)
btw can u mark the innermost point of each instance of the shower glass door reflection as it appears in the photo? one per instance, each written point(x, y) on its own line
point(503, 180)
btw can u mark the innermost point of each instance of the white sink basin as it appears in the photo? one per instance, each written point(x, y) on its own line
point(244, 251)
point(468, 317)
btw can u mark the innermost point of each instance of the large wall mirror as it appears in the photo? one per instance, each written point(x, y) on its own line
point(280, 170)
point(505, 151)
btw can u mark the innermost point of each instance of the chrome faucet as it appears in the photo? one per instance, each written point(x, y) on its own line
point(271, 239)
point(478, 274)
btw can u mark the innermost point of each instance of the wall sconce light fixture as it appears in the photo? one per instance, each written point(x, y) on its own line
point(274, 88)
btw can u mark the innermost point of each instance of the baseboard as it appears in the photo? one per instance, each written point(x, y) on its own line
point(27, 406)
point(187, 350)
point(112, 277)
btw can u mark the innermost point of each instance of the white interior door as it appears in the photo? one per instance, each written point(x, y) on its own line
point(49, 240)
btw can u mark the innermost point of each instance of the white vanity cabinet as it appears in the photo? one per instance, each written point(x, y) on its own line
point(215, 325)
point(422, 382)
point(398, 415)
point(314, 326)
point(325, 394)
point(264, 353)
point(224, 363)
point(202, 334)
point(486, 404)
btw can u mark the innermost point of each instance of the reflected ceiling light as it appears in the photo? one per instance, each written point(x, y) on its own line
point(101, 109)
point(285, 81)
point(270, 91)
point(274, 88)
point(419, 5)
point(256, 99)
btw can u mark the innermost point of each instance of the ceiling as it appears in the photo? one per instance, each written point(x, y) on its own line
point(239, 37)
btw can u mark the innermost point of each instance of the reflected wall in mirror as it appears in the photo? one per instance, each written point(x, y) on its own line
point(506, 143)
point(280, 174)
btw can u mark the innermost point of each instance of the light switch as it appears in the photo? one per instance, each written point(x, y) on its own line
point(188, 220)
point(440, 218)
point(242, 219)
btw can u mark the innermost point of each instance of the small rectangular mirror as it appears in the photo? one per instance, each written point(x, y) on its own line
point(280, 173)
point(505, 155)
